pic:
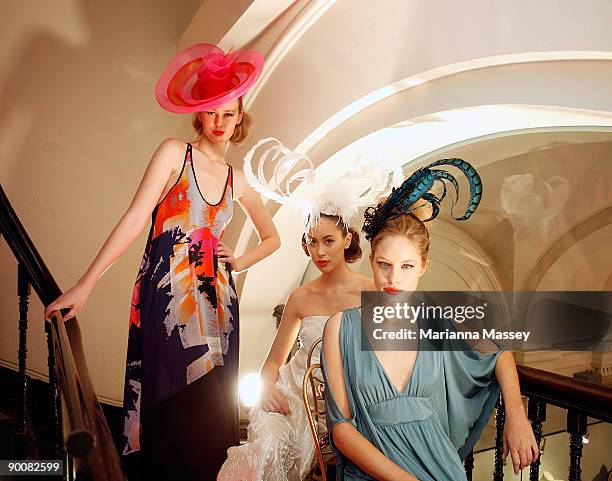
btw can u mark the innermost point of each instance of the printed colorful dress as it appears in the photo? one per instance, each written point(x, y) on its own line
point(182, 360)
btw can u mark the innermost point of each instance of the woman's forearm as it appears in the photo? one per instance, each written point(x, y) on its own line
point(259, 252)
point(124, 233)
point(269, 373)
point(507, 376)
point(365, 455)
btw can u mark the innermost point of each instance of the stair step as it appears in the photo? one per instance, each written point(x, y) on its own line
point(8, 402)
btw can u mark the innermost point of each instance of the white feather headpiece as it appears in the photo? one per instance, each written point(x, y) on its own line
point(311, 194)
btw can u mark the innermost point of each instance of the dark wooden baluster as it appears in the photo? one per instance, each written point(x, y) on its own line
point(69, 474)
point(536, 411)
point(500, 417)
point(55, 412)
point(23, 291)
point(576, 427)
point(468, 464)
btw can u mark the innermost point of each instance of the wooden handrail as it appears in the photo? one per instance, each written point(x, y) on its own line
point(26, 254)
point(78, 438)
point(88, 437)
point(595, 400)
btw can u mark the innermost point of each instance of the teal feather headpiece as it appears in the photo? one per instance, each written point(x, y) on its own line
point(417, 187)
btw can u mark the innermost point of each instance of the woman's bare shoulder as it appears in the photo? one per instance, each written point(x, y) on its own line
point(304, 296)
point(306, 293)
point(296, 297)
point(171, 151)
point(297, 293)
point(359, 282)
point(239, 172)
point(172, 145)
point(241, 184)
point(365, 283)
point(332, 326)
point(312, 288)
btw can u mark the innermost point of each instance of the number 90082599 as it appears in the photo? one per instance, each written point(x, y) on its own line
point(39, 466)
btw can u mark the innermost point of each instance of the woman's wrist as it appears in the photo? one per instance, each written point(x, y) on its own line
point(239, 264)
point(87, 284)
point(513, 410)
point(268, 375)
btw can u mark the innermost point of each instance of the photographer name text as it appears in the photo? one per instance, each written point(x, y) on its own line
point(448, 334)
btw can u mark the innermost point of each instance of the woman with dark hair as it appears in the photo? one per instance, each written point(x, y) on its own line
point(182, 360)
point(280, 445)
point(414, 414)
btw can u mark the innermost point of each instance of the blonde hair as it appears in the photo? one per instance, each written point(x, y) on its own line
point(241, 132)
point(406, 225)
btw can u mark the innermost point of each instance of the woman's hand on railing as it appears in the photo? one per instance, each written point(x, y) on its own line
point(72, 299)
point(519, 440)
point(273, 401)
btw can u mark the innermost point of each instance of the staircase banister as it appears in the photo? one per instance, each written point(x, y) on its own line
point(593, 399)
point(101, 462)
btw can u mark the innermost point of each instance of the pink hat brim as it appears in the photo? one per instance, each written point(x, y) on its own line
point(173, 89)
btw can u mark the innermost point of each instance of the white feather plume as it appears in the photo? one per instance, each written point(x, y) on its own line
point(359, 187)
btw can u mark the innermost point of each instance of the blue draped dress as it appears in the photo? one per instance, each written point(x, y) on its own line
point(429, 427)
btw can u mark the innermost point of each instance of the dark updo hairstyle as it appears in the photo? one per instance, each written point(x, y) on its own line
point(241, 131)
point(406, 225)
point(353, 252)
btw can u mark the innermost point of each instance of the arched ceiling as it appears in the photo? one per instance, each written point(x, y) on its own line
point(408, 80)
point(522, 89)
point(524, 211)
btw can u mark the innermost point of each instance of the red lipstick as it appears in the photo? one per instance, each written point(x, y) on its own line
point(322, 263)
point(391, 290)
point(218, 132)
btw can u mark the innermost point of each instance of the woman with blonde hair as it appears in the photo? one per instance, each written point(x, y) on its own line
point(414, 414)
point(182, 361)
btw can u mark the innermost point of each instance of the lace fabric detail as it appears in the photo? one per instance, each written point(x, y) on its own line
point(279, 447)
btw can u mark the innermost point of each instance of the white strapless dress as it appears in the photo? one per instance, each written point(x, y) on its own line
point(279, 447)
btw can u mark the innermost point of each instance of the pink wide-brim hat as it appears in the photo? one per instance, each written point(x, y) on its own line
point(203, 77)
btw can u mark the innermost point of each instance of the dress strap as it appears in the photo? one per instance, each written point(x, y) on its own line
point(178, 179)
point(231, 178)
point(185, 160)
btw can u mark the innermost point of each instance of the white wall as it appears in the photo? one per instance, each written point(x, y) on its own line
point(78, 124)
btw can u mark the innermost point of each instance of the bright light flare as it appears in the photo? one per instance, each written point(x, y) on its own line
point(250, 389)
